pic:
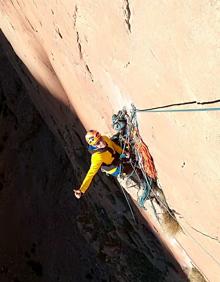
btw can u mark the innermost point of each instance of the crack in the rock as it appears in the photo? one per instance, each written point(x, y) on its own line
point(155, 57)
point(12, 3)
point(75, 16)
point(90, 73)
point(127, 12)
point(81, 56)
point(18, 3)
point(208, 102)
point(79, 45)
point(12, 26)
point(30, 24)
point(59, 33)
point(128, 63)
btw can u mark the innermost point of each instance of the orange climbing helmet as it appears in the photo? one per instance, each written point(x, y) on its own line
point(92, 137)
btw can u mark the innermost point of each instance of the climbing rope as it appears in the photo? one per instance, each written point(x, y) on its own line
point(158, 109)
point(201, 232)
point(134, 120)
point(122, 188)
point(140, 199)
point(180, 110)
point(129, 205)
point(185, 231)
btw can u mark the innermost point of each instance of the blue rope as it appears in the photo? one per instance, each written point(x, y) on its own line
point(180, 110)
point(142, 199)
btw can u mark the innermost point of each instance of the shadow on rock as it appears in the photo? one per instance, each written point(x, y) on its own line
point(47, 234)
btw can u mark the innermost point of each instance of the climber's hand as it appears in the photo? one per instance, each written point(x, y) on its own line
point(77, 193)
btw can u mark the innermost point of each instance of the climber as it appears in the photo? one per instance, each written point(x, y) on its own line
point(105, 155)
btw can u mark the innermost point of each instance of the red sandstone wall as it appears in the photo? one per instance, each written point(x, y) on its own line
point(98, 56)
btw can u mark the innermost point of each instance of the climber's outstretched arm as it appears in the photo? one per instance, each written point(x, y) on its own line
point(96, 163)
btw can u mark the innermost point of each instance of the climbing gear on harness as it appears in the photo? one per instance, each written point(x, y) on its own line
point(92, 137)
point(118, 121)
point(141, 162)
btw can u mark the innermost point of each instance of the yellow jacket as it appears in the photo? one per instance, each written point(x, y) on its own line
point(97, 160)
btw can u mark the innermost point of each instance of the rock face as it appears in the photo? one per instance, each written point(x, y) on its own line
point(48, 235)
point(95, 57)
